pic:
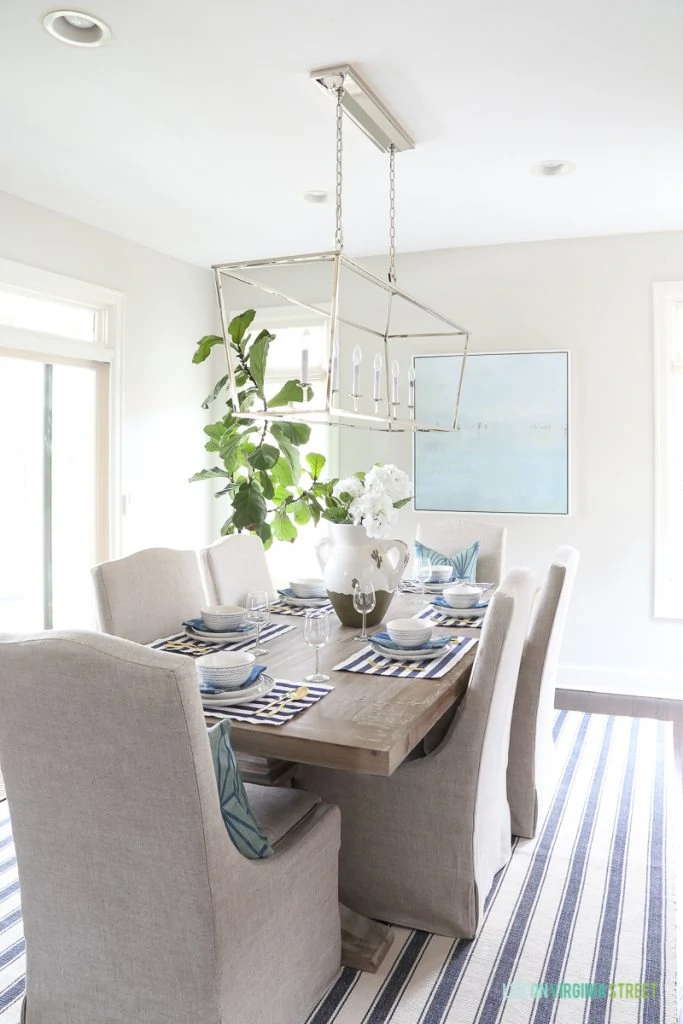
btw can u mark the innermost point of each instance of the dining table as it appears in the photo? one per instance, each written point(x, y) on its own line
point(367, 723)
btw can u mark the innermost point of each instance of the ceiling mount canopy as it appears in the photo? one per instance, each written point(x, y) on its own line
point(366, 317)
point(364, 107)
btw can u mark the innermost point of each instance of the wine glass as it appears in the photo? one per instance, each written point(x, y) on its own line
point(316, 634)
point(423, 574)
point(363, 601)
point(258, 612)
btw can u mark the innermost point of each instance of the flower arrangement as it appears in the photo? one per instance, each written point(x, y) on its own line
point(369, 499)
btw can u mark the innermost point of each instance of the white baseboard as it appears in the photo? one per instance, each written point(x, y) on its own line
point(638, 683)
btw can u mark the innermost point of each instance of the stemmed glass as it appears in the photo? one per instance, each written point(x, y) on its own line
point(316, 634)
point(423, 574)
point(363, 602)
point(258, 612)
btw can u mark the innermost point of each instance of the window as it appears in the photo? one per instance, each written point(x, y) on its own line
point(294, 330)
point(668, 362)
point(58, 445)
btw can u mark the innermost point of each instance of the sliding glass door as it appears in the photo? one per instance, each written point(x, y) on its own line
point(50, 503)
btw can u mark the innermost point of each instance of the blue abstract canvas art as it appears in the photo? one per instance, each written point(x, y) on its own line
point(510, 452)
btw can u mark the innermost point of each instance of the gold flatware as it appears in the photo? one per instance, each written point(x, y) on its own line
point(274, 707)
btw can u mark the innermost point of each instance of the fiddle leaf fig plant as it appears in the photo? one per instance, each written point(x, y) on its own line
point(269, 487)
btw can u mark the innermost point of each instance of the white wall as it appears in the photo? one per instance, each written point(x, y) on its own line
point(593, 297)
point(168, 306)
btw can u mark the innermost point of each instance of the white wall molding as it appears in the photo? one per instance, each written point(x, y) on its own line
point(607, 680)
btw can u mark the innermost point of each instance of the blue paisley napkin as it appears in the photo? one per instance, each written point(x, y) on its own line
point(441, 602)
point(200, 624)
point(430, 645)
point(213, 689)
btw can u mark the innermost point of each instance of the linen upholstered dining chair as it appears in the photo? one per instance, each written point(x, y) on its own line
point(233, 566)
point(449, 534)
point(531, 741)
point(148, 594)
point(136, 904)
point(421, 847)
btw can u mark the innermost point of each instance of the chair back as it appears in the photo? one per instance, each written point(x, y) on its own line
point(531, 743)
point(232, 567)
point(116, 824)
point(149, 594)
point(449, 534)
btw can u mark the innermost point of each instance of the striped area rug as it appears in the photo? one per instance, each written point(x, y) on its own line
point(589, 902)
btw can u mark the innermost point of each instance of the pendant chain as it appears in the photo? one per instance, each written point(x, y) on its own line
point(392, 214)
point(338, 235)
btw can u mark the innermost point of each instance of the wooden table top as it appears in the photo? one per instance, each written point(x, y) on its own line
point(367, 723)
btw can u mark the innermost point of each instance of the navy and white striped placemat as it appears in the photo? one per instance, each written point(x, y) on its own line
point(248, 712)
point(282, 608)
point(372, 664)
point(194, 646)
point(432, 614)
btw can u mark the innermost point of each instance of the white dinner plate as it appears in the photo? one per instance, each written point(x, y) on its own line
point(305, 602)
point(425, 654)
point(221, 638)
point(462, 613)
point(263, 685)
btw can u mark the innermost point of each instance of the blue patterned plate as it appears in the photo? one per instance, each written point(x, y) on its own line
point(263, 685)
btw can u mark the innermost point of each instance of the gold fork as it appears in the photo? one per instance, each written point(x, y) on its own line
point(275, 706)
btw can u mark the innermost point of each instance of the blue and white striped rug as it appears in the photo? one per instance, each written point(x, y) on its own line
point(589, 902)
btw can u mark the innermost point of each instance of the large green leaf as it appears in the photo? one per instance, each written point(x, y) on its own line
point(291, 391)
point(267, 487)
point(215, 430)
point(295, 433)
point(266, 534)
point(229, 451)
point(209, 474)
point(402, 502)
point(281, 493)
point(204, 346)
point(281, 473)
point(264, 457)
point(258, 357)
point(301, 512)
point(316, 464)
point(292, 456)
point(248, 506)
point(283, 527)
point(336, 515)
point(239, 325)
point(215, 391)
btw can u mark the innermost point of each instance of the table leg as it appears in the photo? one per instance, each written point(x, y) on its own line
point(365, 943)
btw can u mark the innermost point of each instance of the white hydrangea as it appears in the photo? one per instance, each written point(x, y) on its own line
point(389, 480)
point(349, 485)
point(375, 512)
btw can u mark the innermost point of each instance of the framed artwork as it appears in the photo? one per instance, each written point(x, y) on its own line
point(510, 452)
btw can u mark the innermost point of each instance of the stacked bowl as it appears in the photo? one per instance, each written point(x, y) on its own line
point(409, 633)
point(225, 670)
point(462, 596)
point(308, 589)
point(221, 618)
point(441, 573)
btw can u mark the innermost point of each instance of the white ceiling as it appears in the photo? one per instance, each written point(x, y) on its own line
point(196, 129)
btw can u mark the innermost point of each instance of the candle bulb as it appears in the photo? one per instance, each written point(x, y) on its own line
point(357, 356)
point(377, 383)
point(394, 382)
point(411, 388)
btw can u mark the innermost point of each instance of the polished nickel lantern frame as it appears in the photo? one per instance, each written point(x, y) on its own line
point(354, 98)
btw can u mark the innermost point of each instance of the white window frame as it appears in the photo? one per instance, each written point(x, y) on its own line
point(104, 354)
point(668, 589)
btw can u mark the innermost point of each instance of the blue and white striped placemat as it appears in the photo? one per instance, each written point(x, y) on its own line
point(282, 608)
point(249, 712)
point(372, 664)
point(194, 646)
point(443, 619)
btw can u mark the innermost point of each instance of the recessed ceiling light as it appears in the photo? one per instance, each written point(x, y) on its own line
point(77, 28)
point(316, 196)
point(553, 168)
